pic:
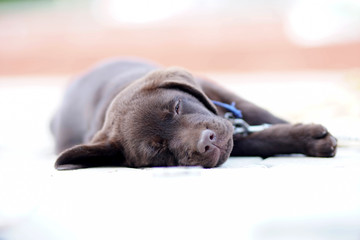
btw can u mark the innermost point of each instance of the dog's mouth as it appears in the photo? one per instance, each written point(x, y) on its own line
point(207, 144)
point(217, 155)
point(221, 154)
point(214, 155)
point(218, 149)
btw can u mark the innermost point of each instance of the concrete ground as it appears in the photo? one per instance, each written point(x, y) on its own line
point(287, 197)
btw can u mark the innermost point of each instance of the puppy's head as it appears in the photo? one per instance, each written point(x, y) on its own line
point(163, 119)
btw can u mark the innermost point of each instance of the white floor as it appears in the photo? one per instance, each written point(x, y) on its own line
point(247, 198)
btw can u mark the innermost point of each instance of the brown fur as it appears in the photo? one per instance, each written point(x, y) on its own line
point(135, 114)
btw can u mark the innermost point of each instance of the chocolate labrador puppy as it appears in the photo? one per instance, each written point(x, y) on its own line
point(136, 114)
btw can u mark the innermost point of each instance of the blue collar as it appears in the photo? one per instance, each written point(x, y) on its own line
point(237, 113)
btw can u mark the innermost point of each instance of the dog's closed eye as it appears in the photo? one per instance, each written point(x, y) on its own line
point(177, 106)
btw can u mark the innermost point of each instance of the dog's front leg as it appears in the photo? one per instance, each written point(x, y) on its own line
point(309, 139)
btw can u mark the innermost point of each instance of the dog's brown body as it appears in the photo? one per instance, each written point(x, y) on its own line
point(135, 114)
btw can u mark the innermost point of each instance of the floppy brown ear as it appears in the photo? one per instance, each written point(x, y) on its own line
point(90, 155)
point(177, 78)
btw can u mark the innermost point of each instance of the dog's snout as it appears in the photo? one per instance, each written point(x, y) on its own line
point(206, 141)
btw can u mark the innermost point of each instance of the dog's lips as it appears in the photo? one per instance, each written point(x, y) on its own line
point(218, 154)
point(225, 151)
point(213, 157)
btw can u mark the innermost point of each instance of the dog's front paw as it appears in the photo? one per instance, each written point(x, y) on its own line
point(317, 141)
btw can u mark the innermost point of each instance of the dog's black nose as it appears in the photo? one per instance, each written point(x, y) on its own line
point(206, 141)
